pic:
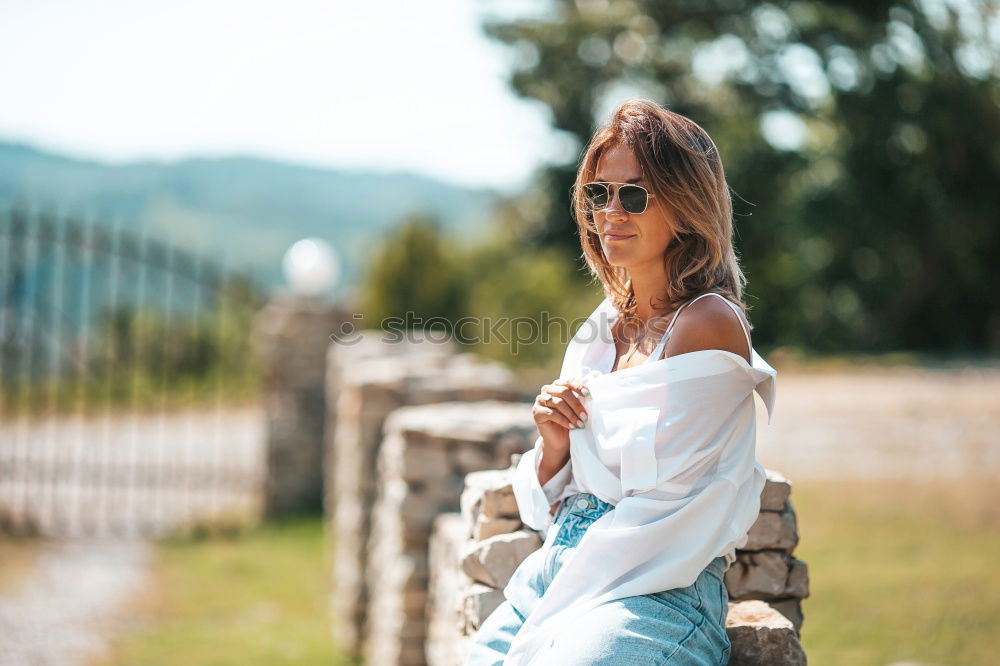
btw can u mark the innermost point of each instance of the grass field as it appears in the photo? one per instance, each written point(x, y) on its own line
point(256, 599)
point(898, 571)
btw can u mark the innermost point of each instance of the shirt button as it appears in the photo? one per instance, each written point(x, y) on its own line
point(581, 504)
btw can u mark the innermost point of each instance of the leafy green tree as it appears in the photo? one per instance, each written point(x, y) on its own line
point(414, 275)
point(874, 231)
point(493, 295)
point(525, 299)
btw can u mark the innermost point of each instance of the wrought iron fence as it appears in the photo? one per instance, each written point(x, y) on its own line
point(127, 382)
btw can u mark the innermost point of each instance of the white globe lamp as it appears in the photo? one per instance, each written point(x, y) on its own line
point(311, 267)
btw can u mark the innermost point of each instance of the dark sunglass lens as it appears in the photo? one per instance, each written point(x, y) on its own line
point(633, 198)
point(596, 194)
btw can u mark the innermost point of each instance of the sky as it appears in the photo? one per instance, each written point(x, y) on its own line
point(375, 85)
point(383, 85)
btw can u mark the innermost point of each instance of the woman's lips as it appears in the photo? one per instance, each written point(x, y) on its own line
point(617, 237)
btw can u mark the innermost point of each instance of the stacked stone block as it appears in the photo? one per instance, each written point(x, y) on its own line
point(488, 541)
point(766, 583)
point(358, 402)
point(765, 568)
point(447, 642)
point(291, 337)
point(762, 636)
point(369, 388)
point(422, 466)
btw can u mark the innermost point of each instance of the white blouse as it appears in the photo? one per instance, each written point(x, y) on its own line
point(671, 443)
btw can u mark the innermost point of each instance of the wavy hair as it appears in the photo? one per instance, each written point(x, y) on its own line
point(681, 166)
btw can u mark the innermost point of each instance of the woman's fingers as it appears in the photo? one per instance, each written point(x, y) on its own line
point(579, 386)
point(573, 397)
point(558, 406)
point(556, 416)
point(567, 401)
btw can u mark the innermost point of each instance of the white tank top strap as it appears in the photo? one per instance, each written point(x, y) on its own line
point(737, 311)
point(658, 350)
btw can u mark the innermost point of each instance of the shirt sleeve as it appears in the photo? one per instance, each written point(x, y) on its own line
point(657, 539)
point(533, 499)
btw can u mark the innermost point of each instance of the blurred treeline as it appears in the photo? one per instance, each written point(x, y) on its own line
point(861, 143)
point(146, 358)
point(140, 359)
point(95, 319)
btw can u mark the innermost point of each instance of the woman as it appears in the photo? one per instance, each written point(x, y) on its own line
point(647, 441)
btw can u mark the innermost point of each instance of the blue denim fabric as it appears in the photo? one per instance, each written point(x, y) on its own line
point(681, 626)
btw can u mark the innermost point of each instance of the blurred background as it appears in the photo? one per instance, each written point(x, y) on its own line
point(179, 181)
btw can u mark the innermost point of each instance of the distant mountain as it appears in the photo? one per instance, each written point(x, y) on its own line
point(247, 208)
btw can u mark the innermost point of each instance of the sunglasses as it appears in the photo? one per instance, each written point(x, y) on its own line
point(633, 198)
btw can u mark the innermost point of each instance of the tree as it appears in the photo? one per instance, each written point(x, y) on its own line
point(876, 230)
point(413, 274)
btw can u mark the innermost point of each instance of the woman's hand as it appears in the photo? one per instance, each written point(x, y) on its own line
point(557, 410)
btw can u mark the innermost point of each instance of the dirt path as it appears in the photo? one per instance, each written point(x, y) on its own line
point(94, 480)
point(894, 424)
point(57, 616)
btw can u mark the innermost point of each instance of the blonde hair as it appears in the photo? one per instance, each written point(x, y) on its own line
point(682, 168)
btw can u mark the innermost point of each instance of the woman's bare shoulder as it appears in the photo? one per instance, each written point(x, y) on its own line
point(709, 323)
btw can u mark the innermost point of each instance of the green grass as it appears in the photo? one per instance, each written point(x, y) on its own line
point(260, 598)
point(900, 571)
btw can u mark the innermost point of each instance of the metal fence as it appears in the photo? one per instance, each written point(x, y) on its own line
point(127, 383)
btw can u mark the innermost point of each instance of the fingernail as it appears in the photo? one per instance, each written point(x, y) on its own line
point(579, 423)
point(584, 415)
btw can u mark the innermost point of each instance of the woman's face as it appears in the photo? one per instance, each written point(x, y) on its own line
point(629, 240)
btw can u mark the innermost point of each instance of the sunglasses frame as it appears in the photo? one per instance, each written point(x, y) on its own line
point(612, 194)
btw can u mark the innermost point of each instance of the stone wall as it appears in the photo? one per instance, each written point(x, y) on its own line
point(425, 456)
point(373, 378)
point(470, 568)
point(765, 568)
point(291, 336)
point(447, 637)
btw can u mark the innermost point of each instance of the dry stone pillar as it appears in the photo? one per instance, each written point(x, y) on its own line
point(423, 462)
point(373, 381)
point(446, 642)
point(291, 336)
point(355, 421)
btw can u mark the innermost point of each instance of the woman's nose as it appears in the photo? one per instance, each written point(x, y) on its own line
point(615, 206)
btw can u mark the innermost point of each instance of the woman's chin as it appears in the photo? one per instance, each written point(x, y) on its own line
point(618, 259)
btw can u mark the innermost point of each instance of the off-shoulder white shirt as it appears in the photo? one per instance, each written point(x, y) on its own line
point(671, 443)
